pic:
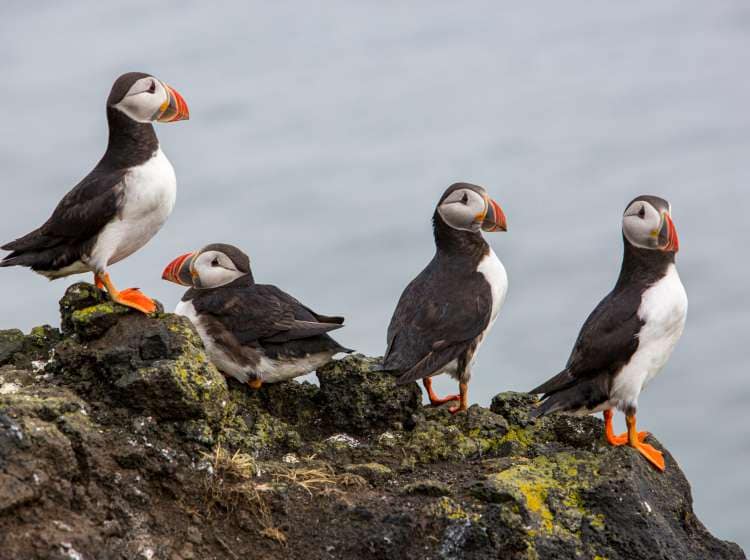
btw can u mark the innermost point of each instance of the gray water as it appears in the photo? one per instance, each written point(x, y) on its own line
point(321, 137)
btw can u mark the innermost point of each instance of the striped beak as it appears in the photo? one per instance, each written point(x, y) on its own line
point(494, 219)
point(174, 108)
point(668, 240)
point(179, 270)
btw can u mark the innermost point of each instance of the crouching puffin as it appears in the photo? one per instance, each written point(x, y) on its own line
point(630, 335)
point(254, 332)
point(445, 313)
point(118, 207)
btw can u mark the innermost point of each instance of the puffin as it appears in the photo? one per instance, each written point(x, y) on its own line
point(255, 333)
point(630, 335)
point(445, 313)
point(121, 204)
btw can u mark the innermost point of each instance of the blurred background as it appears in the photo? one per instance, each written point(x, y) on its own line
point(322, 135)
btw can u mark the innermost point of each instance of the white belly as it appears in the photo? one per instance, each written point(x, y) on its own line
point(149, 193)
point(269, 371)
point(664, 310)
point(494, 272)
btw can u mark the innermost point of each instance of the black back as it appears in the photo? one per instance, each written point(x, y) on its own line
point(444, 309)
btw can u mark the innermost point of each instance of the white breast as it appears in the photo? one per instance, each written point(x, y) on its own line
point(149, 193)
point(663, 310)
point(494, 272)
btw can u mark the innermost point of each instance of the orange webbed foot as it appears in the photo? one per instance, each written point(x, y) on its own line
point(437, 401)
point(134, 298)
point(622, 439)
point(434, 399)
point(654, 456)
point(635, 440)
point(255, 383)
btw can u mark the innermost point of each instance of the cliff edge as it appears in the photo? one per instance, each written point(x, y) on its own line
point(119, 440)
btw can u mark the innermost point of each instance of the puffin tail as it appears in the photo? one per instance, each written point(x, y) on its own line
point(557, 383)
point(432, 362)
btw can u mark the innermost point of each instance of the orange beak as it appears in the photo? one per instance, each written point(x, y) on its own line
point(668, 235)
point(178, 271)
point(494, 219)
point(174, 108)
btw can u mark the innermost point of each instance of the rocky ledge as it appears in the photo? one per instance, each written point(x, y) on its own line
point(119, 440)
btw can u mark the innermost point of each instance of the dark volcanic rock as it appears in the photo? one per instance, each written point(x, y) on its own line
point(123, 442)
point(356, 396)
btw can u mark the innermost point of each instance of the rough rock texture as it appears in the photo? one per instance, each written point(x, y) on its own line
point(118, 440)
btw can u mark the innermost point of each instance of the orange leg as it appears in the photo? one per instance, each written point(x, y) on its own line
point(464, 403)
point(609, 433)
point(98, 282)
point(132, 297)
point(434, 399)
point(255, 384)
point(654, 456)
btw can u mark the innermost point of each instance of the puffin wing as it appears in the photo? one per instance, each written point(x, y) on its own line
point(257, 314)
point(607, 340)
point(435, 323)
point(77, 219)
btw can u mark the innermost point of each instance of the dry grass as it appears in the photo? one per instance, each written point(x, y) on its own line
point(234, 484)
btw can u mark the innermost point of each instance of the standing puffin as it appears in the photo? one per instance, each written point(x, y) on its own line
point(118, 207)
point(254, 332)
point(630, 335)
point(445, 313)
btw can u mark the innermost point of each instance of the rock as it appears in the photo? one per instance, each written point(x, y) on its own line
point(427, 488)
point(375, 473)
point(151, 364)
point(27, 351)
point(357, 397)
point(126, 443)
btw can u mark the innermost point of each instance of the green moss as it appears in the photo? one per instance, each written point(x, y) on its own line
point(85, 315)
point(518, 435)
point(550, 484)
point(446, 508)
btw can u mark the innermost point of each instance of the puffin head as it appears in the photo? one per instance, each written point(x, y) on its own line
point(647, 224)
point(468, 207)
point(215, 265)
point(145, 99)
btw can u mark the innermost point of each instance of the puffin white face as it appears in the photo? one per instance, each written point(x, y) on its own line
point(647, 223)
point(144, 99)
point(213, 269)
point(210, 267)
point(471, 209)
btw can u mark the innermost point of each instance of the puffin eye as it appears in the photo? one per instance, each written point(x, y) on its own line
point(465, 198)
point(152, 87)
point(642, 212)
point(215, 262)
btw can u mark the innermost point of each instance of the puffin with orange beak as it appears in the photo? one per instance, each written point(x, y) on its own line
point(255, 333)
point(445, 313)
point(118, 207)
point(628, 338)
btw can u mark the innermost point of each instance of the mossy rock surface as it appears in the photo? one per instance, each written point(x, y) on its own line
point(119, 440)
